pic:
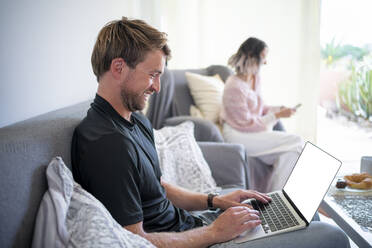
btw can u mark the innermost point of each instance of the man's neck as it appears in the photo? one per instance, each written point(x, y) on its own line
point(115, 102)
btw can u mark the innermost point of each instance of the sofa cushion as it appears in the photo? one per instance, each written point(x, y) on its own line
point(204, 130)
point(195, 112)
point(69, 216)
point(182, 98)
point(175, 99)
point(181, 160)
point(25, 151)
point(207, 94)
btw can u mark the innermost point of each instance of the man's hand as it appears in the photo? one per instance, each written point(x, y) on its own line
point(235, 198)
point(233, 222)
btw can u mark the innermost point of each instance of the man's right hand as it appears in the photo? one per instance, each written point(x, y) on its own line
point(233, 222)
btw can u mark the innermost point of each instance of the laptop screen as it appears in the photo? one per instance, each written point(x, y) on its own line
point(310, 179)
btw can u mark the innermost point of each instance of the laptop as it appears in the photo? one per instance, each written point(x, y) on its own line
point(295, 205)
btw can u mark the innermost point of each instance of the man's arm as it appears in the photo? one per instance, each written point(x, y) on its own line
point(227, 226)
point(185, 199)
point(192, 201)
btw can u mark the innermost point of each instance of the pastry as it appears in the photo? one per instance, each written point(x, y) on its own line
point(357, 177)
point(359, 181)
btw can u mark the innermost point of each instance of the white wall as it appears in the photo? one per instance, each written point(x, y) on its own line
point(46, 48)
point(208, 32)
point(45, 52)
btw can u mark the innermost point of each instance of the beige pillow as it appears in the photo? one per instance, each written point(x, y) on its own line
point(195, 112)
point(207, 94)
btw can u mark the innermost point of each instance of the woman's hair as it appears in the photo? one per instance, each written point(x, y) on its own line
point(248, 55)
point(127, 39)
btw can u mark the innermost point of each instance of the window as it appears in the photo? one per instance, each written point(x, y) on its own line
point(345, 100)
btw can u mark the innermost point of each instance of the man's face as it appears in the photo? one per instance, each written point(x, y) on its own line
point(142, 81)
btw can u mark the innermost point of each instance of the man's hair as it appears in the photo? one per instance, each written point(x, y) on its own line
point(127, 39)
point(248, 54)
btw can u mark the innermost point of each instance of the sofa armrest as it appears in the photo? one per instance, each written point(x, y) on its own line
point(205, 130)
point(227, 162)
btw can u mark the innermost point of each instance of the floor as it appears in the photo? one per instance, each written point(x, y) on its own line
point(347, 142)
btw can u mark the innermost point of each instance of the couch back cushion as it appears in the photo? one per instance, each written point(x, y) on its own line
point(175, 99)
point(25, 150)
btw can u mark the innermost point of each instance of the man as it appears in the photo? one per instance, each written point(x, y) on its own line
point(114, 156)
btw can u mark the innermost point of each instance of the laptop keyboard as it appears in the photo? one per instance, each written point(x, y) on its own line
point(274, 215)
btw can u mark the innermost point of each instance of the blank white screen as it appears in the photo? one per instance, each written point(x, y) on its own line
point(310, 179)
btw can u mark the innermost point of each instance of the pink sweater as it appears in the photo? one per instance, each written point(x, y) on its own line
point(243, 107)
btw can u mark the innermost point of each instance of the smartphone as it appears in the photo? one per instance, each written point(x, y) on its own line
point(297, 106)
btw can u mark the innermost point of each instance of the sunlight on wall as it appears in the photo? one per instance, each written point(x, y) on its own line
point(208, 32)
point(348, 21)
point(48, 65)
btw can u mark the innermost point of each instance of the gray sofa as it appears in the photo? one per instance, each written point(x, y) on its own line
point(27, 147)
point(172, 105)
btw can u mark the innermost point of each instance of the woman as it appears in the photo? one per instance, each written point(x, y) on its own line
point(247, 120)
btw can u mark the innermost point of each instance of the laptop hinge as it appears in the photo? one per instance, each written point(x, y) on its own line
point(295, 208)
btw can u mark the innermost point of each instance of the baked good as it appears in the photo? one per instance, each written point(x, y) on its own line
point(365, 184)
point(359, 181)
point(357, 177)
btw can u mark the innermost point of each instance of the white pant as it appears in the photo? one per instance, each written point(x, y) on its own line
point(279, 149)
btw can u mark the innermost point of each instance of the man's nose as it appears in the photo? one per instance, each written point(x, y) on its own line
point(156, 86)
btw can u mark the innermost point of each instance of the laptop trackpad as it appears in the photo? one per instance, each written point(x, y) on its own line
point(254, 233)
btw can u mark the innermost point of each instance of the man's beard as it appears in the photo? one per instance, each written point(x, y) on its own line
point(130, 101)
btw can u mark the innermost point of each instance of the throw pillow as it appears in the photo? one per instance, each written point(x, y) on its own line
point(69, 216)
point(181, 160)
point(207, 94)
point(195, 112)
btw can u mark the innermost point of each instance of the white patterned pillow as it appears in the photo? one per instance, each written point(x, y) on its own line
point(181, 160)
point(69, 216)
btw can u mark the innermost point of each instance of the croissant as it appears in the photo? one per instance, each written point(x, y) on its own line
point(359, 181)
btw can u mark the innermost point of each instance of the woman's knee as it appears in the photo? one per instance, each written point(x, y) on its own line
point(296, 139)
point(297, 142)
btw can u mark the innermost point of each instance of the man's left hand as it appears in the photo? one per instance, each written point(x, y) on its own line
point(236, 198)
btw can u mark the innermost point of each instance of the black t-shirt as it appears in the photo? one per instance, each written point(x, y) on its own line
point(116, 161)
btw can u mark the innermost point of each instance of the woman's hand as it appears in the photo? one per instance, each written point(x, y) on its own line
point(285, 112)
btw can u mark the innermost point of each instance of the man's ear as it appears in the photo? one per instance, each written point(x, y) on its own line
point(117, 67)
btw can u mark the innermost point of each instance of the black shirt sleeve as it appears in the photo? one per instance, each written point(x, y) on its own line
point(109, 170)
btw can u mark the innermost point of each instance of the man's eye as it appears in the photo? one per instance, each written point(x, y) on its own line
point(152, 76)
